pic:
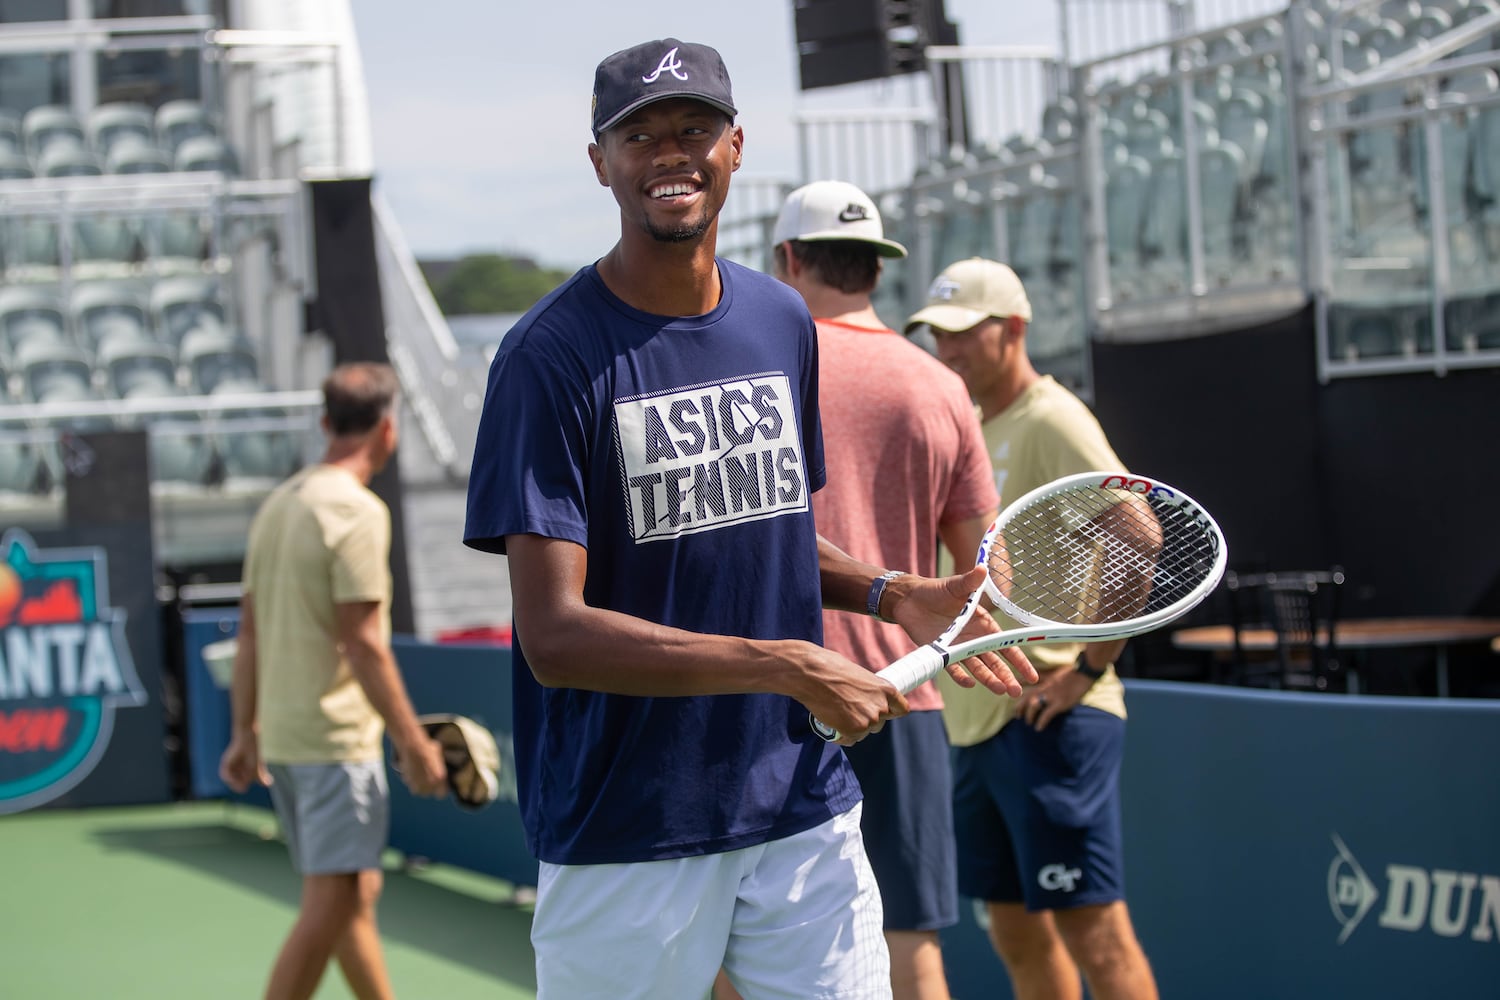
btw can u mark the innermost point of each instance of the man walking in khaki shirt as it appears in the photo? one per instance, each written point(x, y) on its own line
point(315, 686)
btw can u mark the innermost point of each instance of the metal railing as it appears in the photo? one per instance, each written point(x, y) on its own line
point(421, 347)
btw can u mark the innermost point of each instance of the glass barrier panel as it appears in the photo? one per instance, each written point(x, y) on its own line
point(1380, 246)
point(152, 8)
point(22, 11)
point(33, 80)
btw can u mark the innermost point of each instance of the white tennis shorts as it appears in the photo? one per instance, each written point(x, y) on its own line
point(795, 919)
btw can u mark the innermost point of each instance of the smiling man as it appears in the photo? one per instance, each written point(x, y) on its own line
point(646, 458)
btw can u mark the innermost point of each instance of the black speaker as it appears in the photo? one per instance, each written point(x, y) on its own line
point(846, 41)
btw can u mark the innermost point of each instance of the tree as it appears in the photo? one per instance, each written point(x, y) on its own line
point(491, 283)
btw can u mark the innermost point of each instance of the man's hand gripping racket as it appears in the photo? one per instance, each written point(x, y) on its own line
point(1086, 558)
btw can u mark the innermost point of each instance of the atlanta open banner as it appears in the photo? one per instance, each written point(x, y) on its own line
point(81, 719)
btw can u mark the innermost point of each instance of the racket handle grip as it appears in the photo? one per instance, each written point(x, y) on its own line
point(917, 667)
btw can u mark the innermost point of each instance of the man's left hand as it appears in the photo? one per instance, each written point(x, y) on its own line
point(1057, 692)
point(925, 606)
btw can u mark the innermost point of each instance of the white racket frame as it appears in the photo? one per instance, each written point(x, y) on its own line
point(926, 662)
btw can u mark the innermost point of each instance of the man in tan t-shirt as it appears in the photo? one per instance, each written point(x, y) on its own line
point(1036, 780)
point(315, 686)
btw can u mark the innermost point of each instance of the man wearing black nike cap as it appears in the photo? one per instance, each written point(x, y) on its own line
point(645, 458)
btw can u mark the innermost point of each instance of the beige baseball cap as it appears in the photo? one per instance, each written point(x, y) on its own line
point(833, 210)
point(970, 291)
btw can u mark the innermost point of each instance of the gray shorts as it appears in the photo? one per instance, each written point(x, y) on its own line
point(336, 817)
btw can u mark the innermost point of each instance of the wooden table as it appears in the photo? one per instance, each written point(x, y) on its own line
point(1360, 633)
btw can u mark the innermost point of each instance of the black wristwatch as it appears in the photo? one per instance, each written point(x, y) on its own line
point(1092, 673)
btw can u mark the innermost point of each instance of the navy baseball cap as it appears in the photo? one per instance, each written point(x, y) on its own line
point(655, 71)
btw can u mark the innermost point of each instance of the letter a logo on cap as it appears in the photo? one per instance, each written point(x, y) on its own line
point(669, 64)
point(943, 288)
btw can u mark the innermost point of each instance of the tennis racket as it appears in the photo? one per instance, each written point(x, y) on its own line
point(1086, 558)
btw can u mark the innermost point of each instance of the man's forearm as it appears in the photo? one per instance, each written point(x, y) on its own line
point(845, 579)
point(242, 677)
point(377, 673)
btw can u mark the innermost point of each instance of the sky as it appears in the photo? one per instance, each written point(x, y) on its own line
point(479, 108)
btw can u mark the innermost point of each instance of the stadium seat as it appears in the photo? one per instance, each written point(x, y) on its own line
point(963, 222)
point(1353, 57)
point(1067, 226)
point(31, 246)
point(1031, 218)
point(1162, 94)
point(1148, 135)
point(1386, 39)
point(255, 455)
point(1164, 229)
point(105, 246)
point(1226, 46)
point(180, 120)
point(180, 303)
point(1429, 24)
point(106, 309)
point(1380, 332)
point(50, 125)
point(30, 314)
point(180, 452)
point(54, 372)
point(215, 354)
point(177, 241)
point(1399, 11)
point(10, 132)
point(1060, 120)
point(136, 366)
point(22, 469)
point(1265, 37)
point(1021, 145)
point(1469, 263)
point(1243, 121)
point(1468, 86)
point(110, 123)
point(129, 156)
point(1220, 170)
point(1467, 13)
point(14, 165)
point(1125, 200)
point(1487, 176)
point(62, 160)
point(1112, 133)
point(1472, 323)
point(205, 153)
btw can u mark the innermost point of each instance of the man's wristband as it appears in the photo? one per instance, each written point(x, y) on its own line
point(1092, 673)
point(877, 590)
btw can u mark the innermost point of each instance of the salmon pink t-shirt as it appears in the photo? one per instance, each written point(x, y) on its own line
point(905, 454)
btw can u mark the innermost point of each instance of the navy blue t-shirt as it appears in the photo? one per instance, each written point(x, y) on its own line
point(682, 453)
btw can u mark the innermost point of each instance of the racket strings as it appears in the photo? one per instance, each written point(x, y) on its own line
point(1093, 556)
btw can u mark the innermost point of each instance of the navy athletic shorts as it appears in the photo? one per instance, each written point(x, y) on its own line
point(908, 821)
point(1037, 814)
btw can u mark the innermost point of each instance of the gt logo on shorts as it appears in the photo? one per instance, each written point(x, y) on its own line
point(1059, 877)
point(706, 456)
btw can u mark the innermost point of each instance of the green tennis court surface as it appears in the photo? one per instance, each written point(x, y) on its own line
point(193, 900)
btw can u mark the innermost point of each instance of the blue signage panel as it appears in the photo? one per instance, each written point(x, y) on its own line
point(472, 680)
point(1301, 846)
